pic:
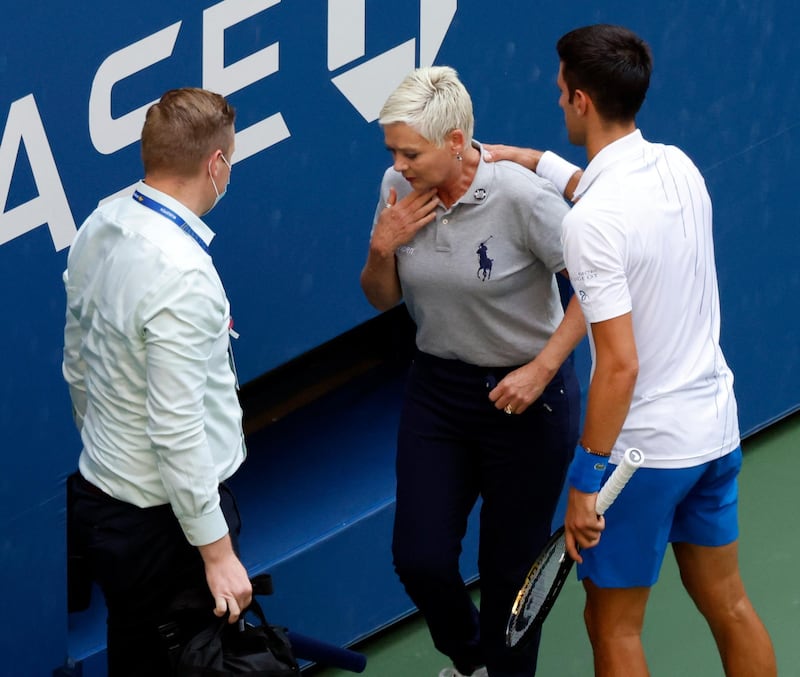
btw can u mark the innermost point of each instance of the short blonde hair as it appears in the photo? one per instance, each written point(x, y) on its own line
point(183, 128)
point(433, 102)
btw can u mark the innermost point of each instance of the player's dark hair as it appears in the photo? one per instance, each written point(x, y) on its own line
point(609, 63)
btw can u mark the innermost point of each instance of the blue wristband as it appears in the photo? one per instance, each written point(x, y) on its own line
point(586, 471)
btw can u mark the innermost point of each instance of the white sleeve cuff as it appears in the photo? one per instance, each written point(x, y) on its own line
point(556, 169)
point(205, 529)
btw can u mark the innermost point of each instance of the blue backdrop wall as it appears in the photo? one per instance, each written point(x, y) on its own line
point(307, 78)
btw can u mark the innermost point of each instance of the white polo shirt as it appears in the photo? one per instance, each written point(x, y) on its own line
point(146, 358)
point(639, 240)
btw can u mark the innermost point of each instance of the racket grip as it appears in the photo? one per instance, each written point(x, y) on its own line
point(632, 459)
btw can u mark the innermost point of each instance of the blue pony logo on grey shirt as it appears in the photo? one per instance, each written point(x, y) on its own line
point(485, 263)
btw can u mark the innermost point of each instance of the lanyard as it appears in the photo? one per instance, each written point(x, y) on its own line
point(150, 203)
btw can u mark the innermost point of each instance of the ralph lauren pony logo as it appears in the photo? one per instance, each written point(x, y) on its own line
point(485, 263)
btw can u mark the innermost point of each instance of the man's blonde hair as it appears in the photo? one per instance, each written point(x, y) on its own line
point(183, 128)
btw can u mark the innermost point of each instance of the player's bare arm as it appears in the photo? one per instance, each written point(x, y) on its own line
point(523, 386)
point(529, 158)
point(607, 405)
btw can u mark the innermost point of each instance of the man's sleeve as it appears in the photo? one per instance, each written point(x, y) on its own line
point(187, 321)
point(594, 251)
point(73, 367)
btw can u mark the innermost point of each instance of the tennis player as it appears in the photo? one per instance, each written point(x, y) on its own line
point(638, 244)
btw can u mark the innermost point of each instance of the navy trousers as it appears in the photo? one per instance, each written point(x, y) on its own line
point(142, 561)
point(454, 446)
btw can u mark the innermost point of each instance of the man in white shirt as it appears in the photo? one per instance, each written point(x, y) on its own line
point(638, 245)
point(146, 357)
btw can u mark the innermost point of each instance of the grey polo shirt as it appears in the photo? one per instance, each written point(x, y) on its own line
point(479, 279)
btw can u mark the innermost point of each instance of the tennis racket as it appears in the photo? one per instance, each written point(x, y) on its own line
point(548, 573)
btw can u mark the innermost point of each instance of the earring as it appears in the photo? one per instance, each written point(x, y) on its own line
point(458, 157)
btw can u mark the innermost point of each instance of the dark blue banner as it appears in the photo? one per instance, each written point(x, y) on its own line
point(307, 78)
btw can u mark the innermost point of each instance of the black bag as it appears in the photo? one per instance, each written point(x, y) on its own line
point(225, 649)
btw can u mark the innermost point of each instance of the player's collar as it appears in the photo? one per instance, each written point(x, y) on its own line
point(608, 156)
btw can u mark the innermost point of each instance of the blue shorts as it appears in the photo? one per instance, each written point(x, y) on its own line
point(658, 506)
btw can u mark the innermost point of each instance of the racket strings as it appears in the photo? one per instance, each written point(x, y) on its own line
point(550, 570)
point(536, 591)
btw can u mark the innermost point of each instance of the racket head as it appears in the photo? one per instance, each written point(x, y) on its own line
point(538, 593)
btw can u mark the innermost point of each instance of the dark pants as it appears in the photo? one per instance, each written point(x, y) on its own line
point(142, 561)
point(453, 446)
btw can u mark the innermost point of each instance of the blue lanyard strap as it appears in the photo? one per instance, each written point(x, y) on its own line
point(157, 207)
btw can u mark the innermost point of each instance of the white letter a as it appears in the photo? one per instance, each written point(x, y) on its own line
point(51, 207)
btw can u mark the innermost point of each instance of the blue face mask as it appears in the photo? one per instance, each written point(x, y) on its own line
point(214, 183)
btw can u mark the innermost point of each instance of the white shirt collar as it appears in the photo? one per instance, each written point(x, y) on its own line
point(609, 155)
point(195, 222)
